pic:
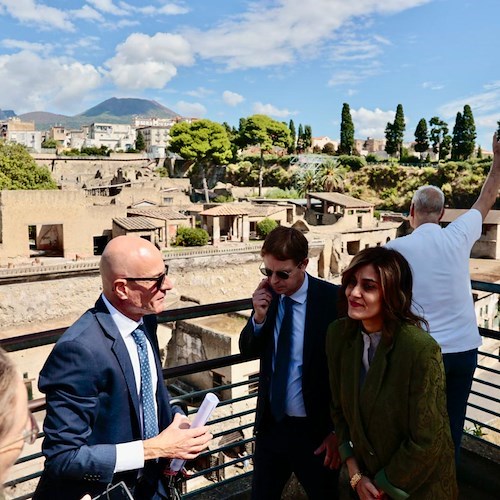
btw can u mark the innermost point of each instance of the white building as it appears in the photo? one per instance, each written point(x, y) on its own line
point(112, 135)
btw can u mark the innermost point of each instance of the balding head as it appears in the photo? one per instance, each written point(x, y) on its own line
point(427, 205)
point(132, 257)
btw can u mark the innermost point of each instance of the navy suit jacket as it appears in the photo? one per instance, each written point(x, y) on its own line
point(92, 404)
point(321, 310)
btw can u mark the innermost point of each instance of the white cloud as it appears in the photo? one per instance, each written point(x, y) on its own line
point(9, 43)
point(269, 109)
point(268, 35)
point(87, 13)
point(432, 86)
point(35, 83)
point(199, 92)
point(108, 7)
point(232, 98)
point(354, 75)
point(352, 49)
point(371, 123)
point(482, 103)
point(33, 13)
point(172, 9)
point(190, 109)
point(144, 61)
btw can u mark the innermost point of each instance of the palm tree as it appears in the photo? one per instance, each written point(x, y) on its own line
point(331, 176)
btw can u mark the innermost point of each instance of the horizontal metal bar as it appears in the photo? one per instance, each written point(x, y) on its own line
point(485, 396)
point(482, 424)
point(483, 409)
point(218, 484)
point(218, 467)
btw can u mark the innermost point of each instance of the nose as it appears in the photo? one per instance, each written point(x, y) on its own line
point(167, 284)
point(355, 290)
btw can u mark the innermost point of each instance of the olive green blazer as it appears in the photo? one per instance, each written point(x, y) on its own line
point(395, 423)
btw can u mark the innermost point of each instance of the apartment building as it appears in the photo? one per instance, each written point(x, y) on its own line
point(112, 135)
point(19, 132)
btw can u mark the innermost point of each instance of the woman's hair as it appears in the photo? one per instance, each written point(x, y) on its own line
point(396, 284)
point(8, 392)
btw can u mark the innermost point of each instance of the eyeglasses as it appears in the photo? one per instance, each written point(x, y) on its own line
point(282, 275)
point(28, 435)
point(157, 279)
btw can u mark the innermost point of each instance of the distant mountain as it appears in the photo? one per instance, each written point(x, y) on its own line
point(114, 110)
point(5, 114)
point(129, 107)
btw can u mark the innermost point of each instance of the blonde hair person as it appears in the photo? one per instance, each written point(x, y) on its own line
point(17, 424)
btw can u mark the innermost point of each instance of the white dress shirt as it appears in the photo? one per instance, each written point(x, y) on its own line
point(294, 406)
point(130, 456)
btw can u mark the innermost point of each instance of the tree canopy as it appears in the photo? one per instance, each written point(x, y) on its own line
point(18, 170)
point(464, 135)
point(421, 137)
point(394, 133)
point(439, 137)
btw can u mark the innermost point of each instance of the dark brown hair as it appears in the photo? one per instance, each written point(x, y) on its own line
point(396, 283)
point(285, 243)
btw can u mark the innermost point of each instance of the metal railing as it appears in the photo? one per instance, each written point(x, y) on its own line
point(236, 416)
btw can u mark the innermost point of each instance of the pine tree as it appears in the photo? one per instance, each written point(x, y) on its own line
point(439, 137)
point(346, 131)
point(394, 133)
point(421, 137)
point(293, 138)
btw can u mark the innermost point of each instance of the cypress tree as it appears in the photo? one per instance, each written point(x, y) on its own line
point(456, 140)
point(300, 139)
point(307, 142)
point(346, 131)
point(469, 133)
point(293, 137)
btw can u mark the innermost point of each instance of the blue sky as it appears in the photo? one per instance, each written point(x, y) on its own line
point(226, 59)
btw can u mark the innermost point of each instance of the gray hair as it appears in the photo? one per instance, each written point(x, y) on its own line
point(428, 200)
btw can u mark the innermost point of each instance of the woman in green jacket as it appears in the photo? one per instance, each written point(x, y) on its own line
point(387, 382)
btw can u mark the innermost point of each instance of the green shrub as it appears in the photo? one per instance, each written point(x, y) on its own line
point(265, 226)
point(353, 162)
point(191, 237)
point(223, 199)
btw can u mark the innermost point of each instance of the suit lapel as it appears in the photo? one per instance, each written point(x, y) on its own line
point(120, 351)
point(309, 326)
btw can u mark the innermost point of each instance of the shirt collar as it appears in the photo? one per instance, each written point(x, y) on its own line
point(124, 324)
point(300, 295)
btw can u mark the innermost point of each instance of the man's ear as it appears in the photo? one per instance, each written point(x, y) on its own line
point(441, 215)
point(412, 210)
point(304, 263)
point(120, 288)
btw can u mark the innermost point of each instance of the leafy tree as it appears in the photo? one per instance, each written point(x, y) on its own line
point(18, 169)
point(329, 149)
point(265, 226)
point(191, 237)
point(421, 137)
point(263, 131)
point(394, 133)
point(307, 179)
point(49, 144)
point(479, 154)
point(140, 144)
point(292, 148)
point(346, 131)
point(439, 137)
point(203, 141)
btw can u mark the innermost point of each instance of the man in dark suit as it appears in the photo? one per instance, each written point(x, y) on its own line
point(293, 428)
point(108, 412)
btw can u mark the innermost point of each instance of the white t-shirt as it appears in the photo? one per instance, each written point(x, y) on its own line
point(442, 293)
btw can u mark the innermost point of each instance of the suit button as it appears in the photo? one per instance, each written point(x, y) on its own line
point(371, 453)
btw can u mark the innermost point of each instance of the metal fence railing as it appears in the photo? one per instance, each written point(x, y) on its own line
point(229, 458)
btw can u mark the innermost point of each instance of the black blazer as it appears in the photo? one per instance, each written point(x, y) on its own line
point(321, 310)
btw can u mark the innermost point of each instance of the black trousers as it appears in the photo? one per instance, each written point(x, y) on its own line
point(286, 447)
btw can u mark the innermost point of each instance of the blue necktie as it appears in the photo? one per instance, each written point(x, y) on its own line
point(149, 420)
point(282, 362)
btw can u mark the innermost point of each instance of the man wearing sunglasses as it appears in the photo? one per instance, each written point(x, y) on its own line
point(109, 416)
point(293, 428)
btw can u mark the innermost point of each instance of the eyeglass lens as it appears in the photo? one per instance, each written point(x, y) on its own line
point(283, 275)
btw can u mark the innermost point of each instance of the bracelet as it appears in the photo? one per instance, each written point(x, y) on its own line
point(355, 479)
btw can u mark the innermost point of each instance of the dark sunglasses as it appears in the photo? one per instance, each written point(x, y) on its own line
point(282, 275)
point(157, 279)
